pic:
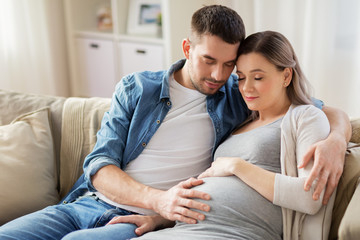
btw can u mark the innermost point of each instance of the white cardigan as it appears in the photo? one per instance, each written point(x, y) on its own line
point(303, 218)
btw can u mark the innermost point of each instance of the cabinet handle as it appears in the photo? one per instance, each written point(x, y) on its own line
point(94, 45)
point(141, 51)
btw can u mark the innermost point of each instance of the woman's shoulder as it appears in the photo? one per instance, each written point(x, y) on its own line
point(307, 111)
point(308, 114)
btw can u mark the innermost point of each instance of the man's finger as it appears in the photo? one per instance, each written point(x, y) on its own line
point(190, 203)
point(321, 184)
point(191, 193)
point(315, 171)
point(143, 229)
point(330, 187)
point(121, 219)
point(190, 214)
point(307, 157)
point(181, 218)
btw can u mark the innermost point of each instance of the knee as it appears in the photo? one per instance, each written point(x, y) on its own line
point(116, 231)
point(11, 233)
point(73, 235)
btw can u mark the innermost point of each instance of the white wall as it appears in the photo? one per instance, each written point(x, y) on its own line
point(326, 37)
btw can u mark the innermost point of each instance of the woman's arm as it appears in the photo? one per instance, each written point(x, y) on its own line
point(259, 179)
point(282, 190)
point(329, 154)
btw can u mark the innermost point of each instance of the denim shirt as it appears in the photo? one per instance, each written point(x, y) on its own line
point(139, 105)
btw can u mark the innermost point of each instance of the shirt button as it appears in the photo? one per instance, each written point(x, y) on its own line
point(143, 144)
point(64, 202)
point(158, 121)
point(217, 130)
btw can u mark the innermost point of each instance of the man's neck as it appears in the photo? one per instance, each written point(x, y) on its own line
point(181, 75)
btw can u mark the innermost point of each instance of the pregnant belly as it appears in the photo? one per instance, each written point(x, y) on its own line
point(236, 205)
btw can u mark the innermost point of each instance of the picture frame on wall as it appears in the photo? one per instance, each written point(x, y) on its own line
point(144, 17)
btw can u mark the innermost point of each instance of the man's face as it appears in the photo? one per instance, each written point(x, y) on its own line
point(210, 63)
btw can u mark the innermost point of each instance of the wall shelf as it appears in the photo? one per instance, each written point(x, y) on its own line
point(158, 52)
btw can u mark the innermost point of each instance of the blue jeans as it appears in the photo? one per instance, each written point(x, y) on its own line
point(84, 218)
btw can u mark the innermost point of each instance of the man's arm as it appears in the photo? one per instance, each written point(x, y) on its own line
point(173, 204)
point(329, 154)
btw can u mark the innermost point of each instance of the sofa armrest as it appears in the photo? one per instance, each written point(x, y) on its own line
point(349, 228)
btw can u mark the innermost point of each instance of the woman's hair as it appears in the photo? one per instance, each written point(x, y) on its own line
point(219, 21)
point(277, 50)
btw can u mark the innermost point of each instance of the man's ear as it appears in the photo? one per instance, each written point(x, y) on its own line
point(186, 47)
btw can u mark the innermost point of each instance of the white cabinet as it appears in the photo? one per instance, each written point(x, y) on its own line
point(96, 67)
point(140, 57)
point(94, 70)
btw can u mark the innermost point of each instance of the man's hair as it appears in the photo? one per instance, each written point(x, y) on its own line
point(219, 21)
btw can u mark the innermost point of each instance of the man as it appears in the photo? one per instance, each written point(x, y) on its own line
point(162, 129)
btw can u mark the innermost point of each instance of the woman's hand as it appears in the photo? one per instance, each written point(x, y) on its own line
point(221, 167)
point(144, 223)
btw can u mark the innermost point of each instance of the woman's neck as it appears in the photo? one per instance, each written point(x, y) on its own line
point(274, 112)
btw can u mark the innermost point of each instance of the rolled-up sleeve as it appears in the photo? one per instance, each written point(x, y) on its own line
point(94, 166)
point(112, 136)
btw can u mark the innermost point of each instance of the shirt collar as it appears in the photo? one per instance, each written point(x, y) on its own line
point(165, 91)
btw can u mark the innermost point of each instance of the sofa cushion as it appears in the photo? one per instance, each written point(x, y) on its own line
point(349, 228)
point(27, 165)
point(346, 188)
point(14, 104)
point(355, 137)
point(81, 121)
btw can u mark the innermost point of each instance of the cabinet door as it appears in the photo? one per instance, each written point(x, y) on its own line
point(140, 57)
point(96, 67)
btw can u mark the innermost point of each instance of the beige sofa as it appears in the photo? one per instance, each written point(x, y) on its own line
point(44, 139)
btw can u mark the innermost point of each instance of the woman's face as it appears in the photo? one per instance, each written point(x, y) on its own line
point(261, 84)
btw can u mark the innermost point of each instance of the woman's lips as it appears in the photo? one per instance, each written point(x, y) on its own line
point(250, 98)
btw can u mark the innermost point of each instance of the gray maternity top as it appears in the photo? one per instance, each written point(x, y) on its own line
point(237, 211)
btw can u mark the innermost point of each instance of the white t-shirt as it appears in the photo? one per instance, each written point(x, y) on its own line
point(181, 148)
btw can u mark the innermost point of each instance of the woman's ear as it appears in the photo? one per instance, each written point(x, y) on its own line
point(186, 47)
point(288, 73)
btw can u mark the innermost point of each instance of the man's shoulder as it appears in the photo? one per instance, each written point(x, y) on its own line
point(231, 85)
point(141, 80)
point(233, 80)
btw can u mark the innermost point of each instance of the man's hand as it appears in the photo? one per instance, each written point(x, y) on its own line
point(329, 157)
point(175, 203)
point(144, 223)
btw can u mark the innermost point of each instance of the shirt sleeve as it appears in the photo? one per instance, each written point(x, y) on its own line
point(317, 103)
point(312, 126)
point(111, 138)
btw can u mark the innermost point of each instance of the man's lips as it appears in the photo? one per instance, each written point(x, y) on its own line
point(212, 84)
